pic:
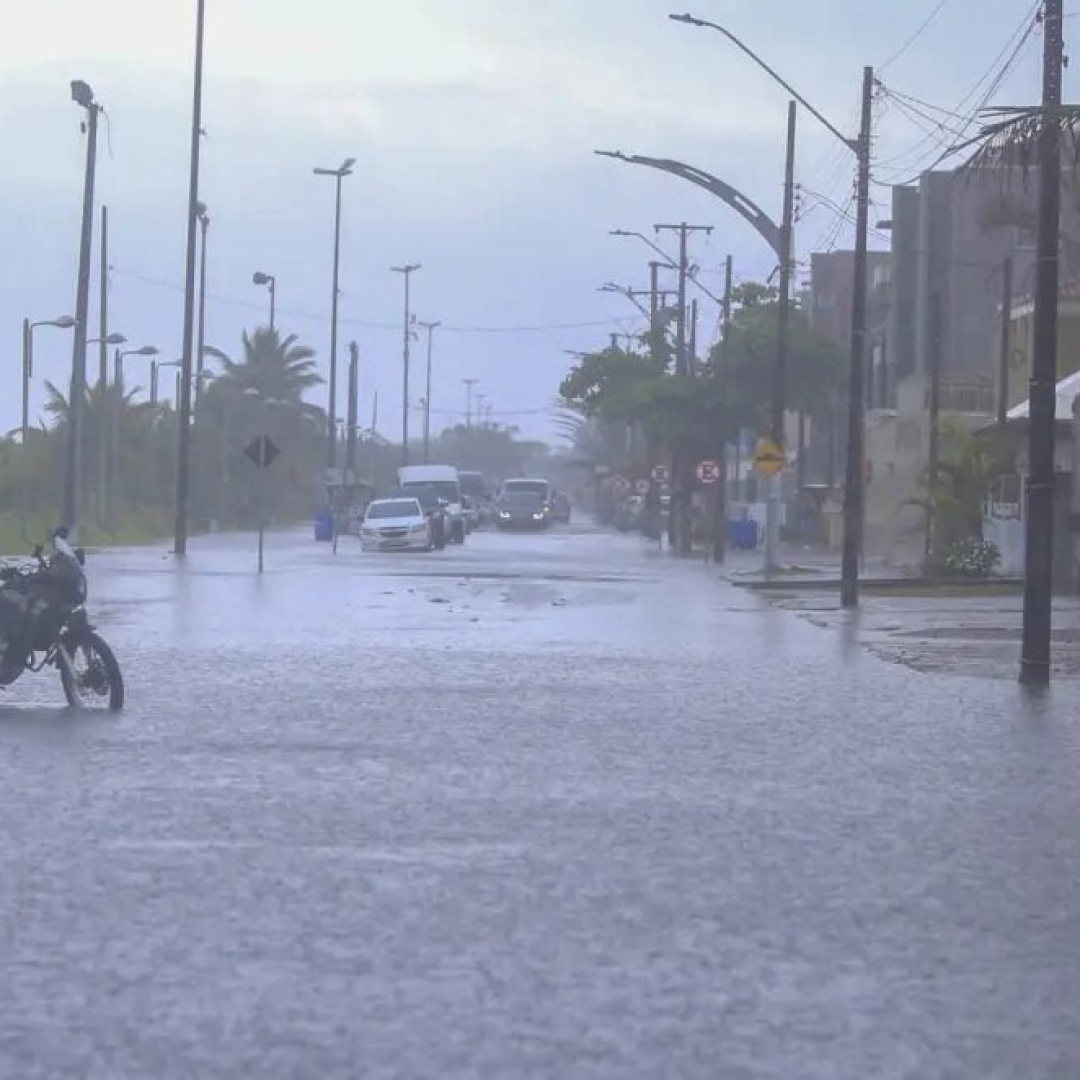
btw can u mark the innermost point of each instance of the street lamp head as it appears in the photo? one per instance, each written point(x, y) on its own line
point(408, 268)
point(115, 339)
point(145, 350)
point(259, 278)
point(81, 93)
point(201, 214)
point(65, 322)
point(346, 166)
point(690, 20)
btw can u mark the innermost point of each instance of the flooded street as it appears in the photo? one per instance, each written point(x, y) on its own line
point(542, 805)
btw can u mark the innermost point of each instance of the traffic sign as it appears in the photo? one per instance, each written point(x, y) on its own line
point(768, 458)
point(642, 487)
point(660, 473)
point(708, 472)
point(261, 451)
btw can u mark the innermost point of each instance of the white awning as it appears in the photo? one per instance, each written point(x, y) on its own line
point(1066, 392)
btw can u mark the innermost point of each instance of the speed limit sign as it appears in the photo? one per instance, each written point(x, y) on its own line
point(708, 472)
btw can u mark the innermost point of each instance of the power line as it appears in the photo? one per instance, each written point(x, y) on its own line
point(371, 325)
point(922, 28)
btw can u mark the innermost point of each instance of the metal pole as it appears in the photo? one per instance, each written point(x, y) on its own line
point(73, 479)
point(153, 381)
point(183, 443)
point(331, 449)
point(1006, 328)
point(723, 372)
point(204, 221)
point(407, 271)
point(114, 433)
point(273, 301)
point(1039, 512)
point(24, 454)
point(354, 390)
point(430, 327)
point(469, 383)
point(854, 478)
point(933, 453)
point(104, 412)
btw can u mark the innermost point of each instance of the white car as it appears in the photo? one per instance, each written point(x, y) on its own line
point(396, 525)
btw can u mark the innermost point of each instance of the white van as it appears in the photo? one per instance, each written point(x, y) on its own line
point(444, 481)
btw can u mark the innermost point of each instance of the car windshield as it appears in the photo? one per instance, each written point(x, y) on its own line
point(441, 489)
point(394, 508)
point(521, 500)
point(535, 487)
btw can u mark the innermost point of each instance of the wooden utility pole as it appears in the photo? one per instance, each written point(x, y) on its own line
point(1042, 398)
point(104, 416)
point(681, 466)
point(933, 452)
point(723, 375)
point(854, 481)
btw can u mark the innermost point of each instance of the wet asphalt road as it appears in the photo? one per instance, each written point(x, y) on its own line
point(542, 807)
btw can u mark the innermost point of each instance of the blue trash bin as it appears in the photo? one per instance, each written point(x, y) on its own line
point(324, 527)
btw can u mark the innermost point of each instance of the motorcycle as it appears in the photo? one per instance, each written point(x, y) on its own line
point(44, 623)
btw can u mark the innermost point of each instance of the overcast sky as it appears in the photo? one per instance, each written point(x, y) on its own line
point(473, 124)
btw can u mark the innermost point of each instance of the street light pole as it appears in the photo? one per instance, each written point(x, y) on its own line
point(83, 96)
point(430, 327)
point(117, 416)
point(200, 344)
point(259, 278)
point(183, 439)
point(406, 272)
point(339, 174)
point(64, 322)
point(860, 146)
point(352, 410)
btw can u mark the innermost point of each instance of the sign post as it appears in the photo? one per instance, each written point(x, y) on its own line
point(769, 461)
point(261, 452)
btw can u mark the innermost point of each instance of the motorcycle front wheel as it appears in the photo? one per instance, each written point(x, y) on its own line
point(93, 681)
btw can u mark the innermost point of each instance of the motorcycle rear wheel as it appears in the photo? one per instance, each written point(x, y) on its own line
point(96, 682)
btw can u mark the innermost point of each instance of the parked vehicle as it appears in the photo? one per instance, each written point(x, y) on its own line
point(445, 482)
point(44, 623)
point(561, 508)
point(521, 510)
point(396, 525)
point(470, 513)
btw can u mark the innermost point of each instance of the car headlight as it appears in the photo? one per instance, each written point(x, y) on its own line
point(538, 516)
point(504, 513)
point(417, 528)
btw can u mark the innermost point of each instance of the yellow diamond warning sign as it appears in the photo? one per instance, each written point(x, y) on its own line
point(768, 458)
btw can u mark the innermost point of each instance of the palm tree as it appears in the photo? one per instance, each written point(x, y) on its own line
point(275, 368)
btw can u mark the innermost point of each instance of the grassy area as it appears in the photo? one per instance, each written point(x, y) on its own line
point(142, 526)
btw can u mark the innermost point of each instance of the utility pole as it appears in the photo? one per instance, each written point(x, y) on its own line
point(406, 272)
point(200, 342)
point(854, 474)
point(83, 96)
point(351, 411)
point(430, 327)
point(1039, 523)
point(469, 384)
point(933, 453)
point(723, 374)
point(679, 525)
point(183, 444)
point(779, 394)
point(1006, 328)
point(104, 412)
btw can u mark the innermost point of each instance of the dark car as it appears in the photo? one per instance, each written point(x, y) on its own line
point(435, 508)
point(560, 508)
point(521, 510)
